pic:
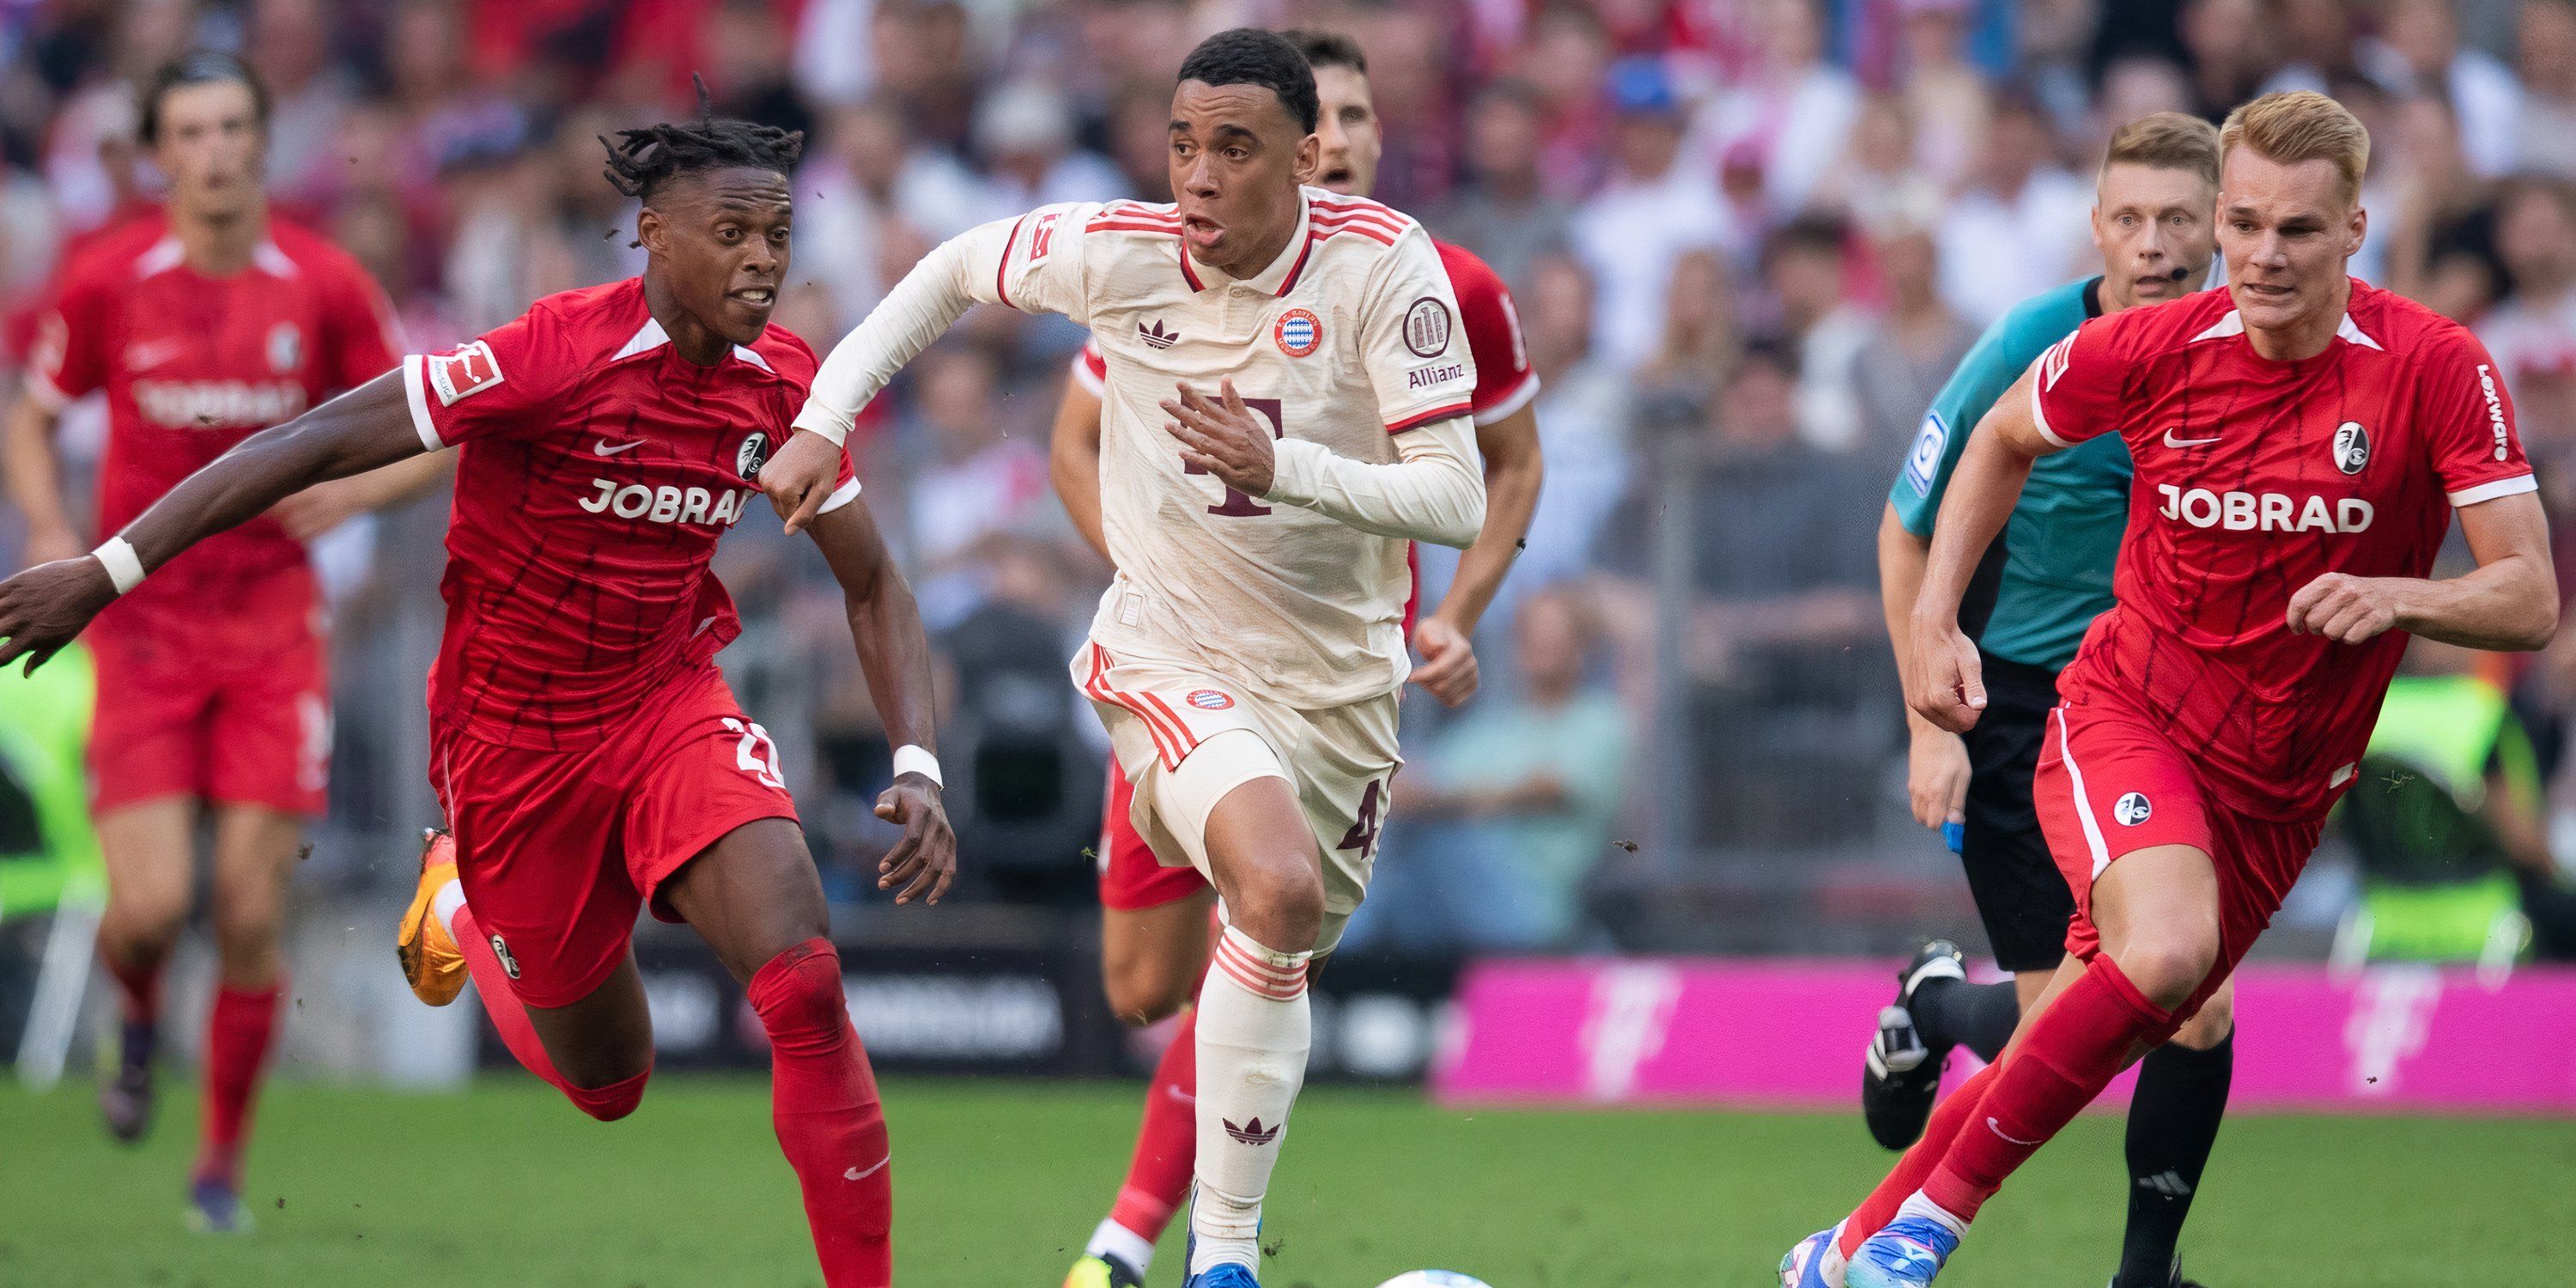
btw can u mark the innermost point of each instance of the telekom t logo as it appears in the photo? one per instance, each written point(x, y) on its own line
point(1631, 1013)
point(2392, 1016)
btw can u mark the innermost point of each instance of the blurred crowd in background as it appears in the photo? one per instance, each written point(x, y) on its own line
point(1748, 239)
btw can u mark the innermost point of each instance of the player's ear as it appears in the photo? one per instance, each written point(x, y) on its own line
point(1310, 157)
point(650, 232)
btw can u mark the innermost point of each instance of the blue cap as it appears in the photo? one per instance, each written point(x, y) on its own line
point(1639, 86)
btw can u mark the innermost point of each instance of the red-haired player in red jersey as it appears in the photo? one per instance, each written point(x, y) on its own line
point(2302, 440)
point(1154, 919)
point(203, 323)
point(589, 756)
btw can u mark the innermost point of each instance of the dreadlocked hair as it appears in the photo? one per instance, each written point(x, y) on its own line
point(641, 160)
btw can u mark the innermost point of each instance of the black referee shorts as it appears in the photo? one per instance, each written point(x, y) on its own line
point(2021, 896)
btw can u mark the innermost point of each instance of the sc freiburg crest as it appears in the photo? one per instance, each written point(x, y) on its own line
point(753, 454)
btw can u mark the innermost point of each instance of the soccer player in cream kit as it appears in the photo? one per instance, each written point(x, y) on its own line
point(1288, 403)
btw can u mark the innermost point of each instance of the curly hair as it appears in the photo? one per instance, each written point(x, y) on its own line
point(641, 160)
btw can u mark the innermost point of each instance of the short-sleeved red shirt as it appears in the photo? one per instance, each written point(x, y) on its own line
point(2253, 479)
point(193, 364)
point(596, 469)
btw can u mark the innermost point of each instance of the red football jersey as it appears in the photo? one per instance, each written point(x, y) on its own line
point(194, 364)
point(1504, 381)
point(596, 469)
point(2253, 478)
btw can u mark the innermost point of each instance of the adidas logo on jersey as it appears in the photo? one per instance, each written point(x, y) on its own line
point(1157, 336)
point(667, 504)
point(2264, 511)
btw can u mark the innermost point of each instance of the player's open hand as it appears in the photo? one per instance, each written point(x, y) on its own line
point(42, 608)
point(1448, 670)
point(925, 860)
point(1949, 681)
point(2343, 608)
point(322, 507)
point(1225, 438)
point(800, 478)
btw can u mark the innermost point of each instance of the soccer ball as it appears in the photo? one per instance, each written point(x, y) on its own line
point(1434, 1279)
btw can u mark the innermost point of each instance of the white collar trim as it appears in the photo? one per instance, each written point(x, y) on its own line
point(651, 336)
point(167, 254)
point(2234, 324)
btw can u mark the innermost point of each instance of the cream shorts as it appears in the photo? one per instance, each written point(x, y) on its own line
point(1185, 737)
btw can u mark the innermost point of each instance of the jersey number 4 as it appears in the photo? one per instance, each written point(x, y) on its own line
point(1236, 503)
point(1363, 834)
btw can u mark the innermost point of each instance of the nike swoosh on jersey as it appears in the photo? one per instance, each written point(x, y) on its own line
point(1998, 1129)
point(601, 448)
point(2171, 441)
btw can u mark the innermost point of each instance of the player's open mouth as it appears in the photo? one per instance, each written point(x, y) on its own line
point(2267, 291)
point(757, 296)
point(1200, 230)
point(1338, 174)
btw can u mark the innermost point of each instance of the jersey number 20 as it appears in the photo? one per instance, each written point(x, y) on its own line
point(1236, 503)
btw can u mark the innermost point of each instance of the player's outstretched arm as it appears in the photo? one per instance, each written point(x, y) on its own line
point(35, 477)
point(2510, 604)
point(1944, 684)
point(894, 652)
point(1936, 762)
point(44, 607)
point(1074, 460)
point(1513, 471)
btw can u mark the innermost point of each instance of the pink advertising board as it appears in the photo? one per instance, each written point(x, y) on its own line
point(1789, 1034)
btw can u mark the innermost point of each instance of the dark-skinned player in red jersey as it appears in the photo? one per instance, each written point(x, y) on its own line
point(2302, 440)
point(199, 324)
point(589, 756)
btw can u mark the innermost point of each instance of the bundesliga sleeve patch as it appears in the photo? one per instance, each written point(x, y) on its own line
point(1925, 460)
point(464, 373)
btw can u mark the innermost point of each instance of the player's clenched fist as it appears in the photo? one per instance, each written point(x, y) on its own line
point(2344, 608)
point(800, 478)
point(42, 608)
point(925, 860)
point(1949, 681)
point(1225, 438)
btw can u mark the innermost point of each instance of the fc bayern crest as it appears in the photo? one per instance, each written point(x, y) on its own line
point(1426, 327)
point(753, 454)
point(1210, 700)
point(2351, 447)
point(1298, 333)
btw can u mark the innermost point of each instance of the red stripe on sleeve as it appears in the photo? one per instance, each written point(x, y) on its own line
point(1002, 271)
point(1436, 413)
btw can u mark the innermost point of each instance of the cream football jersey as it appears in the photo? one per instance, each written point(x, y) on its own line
point(1349, 338)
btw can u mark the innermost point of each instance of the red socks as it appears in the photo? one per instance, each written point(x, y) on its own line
point(1947, 1118)
point(138, 990)
point(2072, 1052)
point(238, 1030)
point(823, 1100)
point(1158, 1176)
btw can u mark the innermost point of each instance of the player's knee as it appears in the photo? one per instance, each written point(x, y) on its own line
point(1278, 899)
point(2168, 966)
point(1144, 989)
point(613, 1101)
point(799, 999)
point(143, 926)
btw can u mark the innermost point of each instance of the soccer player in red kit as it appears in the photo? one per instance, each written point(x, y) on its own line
point(203, 323)
point(2301, 441)
point(1154, 919)
point(591, 760)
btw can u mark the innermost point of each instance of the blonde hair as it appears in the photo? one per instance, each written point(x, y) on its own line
point(2302, 125)
point(2166, 141)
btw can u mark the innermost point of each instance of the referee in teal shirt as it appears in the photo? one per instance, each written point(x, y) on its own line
point(2036, 592)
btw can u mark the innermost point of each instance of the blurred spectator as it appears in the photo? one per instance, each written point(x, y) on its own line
point(975, 475)
point(2418, 51)
point(1507, 809)
point(1505, 210)
point(1646, 216)
point(2023, 227)
point(1802, 268)
point(1140, 140)
point(1943, 95)
point(1702, 333)
point(2532, 332)
point(2135, 87)
point(870, 204)
point(2229, 51)
point(1879, 171)
point(1566, 63)
point(1787, 116)
point(1584, 407)
point(2546, 52)
point(2441, 238)
point(1913, 349)
point(289, 45)
point(1025, 133)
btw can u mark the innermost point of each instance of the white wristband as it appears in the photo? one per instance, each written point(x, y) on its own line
point(913, 758)
point(124, 567)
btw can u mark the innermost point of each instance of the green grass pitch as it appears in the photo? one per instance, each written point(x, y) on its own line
point(997, 1184)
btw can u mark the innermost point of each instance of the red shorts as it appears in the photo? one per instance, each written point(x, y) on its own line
point(1131, 879)
point(230, 706)
point(2110, 784)
point(558, 849)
